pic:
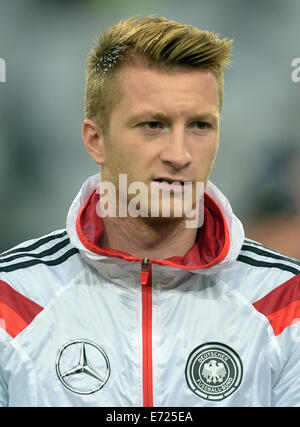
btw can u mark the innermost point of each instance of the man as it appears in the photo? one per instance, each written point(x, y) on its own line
point(130, 306)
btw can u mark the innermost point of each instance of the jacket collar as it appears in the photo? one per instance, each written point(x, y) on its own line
point(219, 239)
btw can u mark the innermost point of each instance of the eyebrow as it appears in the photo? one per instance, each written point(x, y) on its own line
point(153, 115)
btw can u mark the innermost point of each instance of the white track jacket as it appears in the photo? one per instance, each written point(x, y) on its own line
point(88, 326)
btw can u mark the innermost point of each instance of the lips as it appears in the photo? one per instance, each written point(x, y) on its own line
point(175, 181)
point(170, 184)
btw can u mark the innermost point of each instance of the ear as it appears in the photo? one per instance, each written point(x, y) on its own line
point(93, 141)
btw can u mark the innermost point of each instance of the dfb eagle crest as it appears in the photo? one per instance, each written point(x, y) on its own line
point(213, 371)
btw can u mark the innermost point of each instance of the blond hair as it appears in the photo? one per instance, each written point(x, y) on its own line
point(158, 42)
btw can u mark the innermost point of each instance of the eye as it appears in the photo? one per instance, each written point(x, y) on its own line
point(201, 125)
point(151, 126)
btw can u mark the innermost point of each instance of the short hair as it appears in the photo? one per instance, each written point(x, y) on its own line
point(158, 42)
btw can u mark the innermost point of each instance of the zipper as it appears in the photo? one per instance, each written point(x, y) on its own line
point(146, 282)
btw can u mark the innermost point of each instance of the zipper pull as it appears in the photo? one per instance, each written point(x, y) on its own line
point(145, 272)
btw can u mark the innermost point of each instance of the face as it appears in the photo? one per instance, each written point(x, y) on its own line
point(165, 127)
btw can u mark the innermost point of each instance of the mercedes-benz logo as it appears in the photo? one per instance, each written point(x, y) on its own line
point(74, 378)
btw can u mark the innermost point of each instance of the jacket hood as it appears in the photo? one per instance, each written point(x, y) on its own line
point(218, 244)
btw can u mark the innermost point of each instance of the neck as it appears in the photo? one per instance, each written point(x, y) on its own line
point(157, 239)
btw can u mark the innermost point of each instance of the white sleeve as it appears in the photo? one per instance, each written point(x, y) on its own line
point(286, 391)
point(4, 338)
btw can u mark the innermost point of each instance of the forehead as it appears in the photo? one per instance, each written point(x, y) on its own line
point(176, 90)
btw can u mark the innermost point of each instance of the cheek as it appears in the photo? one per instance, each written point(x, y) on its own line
point(204, 158)
point(124, 161)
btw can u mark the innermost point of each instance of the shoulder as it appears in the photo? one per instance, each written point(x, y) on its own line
point(257, 255)
point(51, 249)
point(30, 275)
point(272, 283)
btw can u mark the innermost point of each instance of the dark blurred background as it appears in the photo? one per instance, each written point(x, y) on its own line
point(42, 158)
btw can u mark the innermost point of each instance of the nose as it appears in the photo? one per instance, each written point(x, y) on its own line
point(175, 152)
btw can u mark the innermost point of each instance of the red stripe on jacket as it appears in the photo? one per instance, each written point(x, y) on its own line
point(16, 310)
point(282, 305)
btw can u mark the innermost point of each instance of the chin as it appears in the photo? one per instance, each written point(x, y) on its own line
point(161, 221)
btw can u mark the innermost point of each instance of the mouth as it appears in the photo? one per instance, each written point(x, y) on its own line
point(171, 181)
point(170, 184)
